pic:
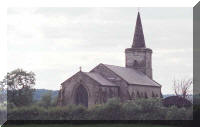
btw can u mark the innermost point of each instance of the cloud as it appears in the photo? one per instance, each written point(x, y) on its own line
point(55, 42)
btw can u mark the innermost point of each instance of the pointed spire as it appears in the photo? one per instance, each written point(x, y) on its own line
point(138, 40)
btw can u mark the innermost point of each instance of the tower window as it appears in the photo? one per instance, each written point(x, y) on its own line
point(135, 63)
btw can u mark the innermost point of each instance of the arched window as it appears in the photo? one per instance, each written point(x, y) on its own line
point(138, 94)
point(110, 93)
point(135, 63)
point(142, 95)
point(81, 96)
point(133, 95)
point(145, 95)
point(100, 95)
point(104, 96)
point(156, 95)
point(153, 95)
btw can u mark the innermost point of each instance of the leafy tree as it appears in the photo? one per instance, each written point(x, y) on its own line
point(2, 92)
point(54, 101)
point(46, 100)
point(20, 87)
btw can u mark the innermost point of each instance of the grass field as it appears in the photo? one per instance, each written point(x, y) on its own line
point(91, 125)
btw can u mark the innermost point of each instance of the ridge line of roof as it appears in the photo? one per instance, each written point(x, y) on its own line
point(134, 70)
point(114, 72)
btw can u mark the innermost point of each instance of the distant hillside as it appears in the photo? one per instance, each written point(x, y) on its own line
point(40, 92)
point(167, 95)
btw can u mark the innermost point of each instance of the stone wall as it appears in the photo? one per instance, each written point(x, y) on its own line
point(104, 93)
point(111, 76)
point(139, 59)
point(139, 91)
point(97, 93)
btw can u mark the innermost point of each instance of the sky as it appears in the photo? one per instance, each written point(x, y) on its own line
point(55, 42)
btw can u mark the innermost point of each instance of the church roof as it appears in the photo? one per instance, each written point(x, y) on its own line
point(132, 76)
point(138, 40)
point(97, 77)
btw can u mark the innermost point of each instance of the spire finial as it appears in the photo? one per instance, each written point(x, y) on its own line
point(138, 9)
point(138, 40)
point(80, 68)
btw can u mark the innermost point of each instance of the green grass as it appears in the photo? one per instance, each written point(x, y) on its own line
point(89, 125)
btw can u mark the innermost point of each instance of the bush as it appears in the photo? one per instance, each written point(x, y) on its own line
point(112, 110)
point(175, 113)
point(140, 109)
point(131, 110)
point(3, 116)
point(177, 101)
point(196, 99)
point(196, 112)
point(11, 106)
point(3, 112)
point(77, 112)
point(40, 113)
point(196, 102)
point(151, 109)
point(25, 113)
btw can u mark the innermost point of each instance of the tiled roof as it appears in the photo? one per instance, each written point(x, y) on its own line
point(132, 76)
point(97, 77)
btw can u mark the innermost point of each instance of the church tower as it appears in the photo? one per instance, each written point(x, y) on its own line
point(138, 56)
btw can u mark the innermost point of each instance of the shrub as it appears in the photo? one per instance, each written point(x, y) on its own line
point(3, 112)
point(139, 109)
point(3, 116)
point(112, 110)
point(77, 112)
point(58, 113)
point(149, 105)
point(26, 113)
point(11, 106)
point(151, 109)
point(175, 113)
point(189, 113)
point(196, 112)
point(196, 99)
point(177, 101)
point(131, 110)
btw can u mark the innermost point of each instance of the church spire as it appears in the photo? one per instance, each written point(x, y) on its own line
point(138, 40)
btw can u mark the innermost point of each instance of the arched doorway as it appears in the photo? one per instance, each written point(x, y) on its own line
point(81, 96)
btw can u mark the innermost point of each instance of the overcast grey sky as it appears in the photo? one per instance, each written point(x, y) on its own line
point(55, 42)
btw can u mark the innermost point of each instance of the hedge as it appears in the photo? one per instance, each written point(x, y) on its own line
point(3, 116)
point(3, 112)
point(141, 109)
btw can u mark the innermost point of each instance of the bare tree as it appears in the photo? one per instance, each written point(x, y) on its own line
point(182, 87)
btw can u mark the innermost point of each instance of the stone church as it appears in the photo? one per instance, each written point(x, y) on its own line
point(135, 80)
